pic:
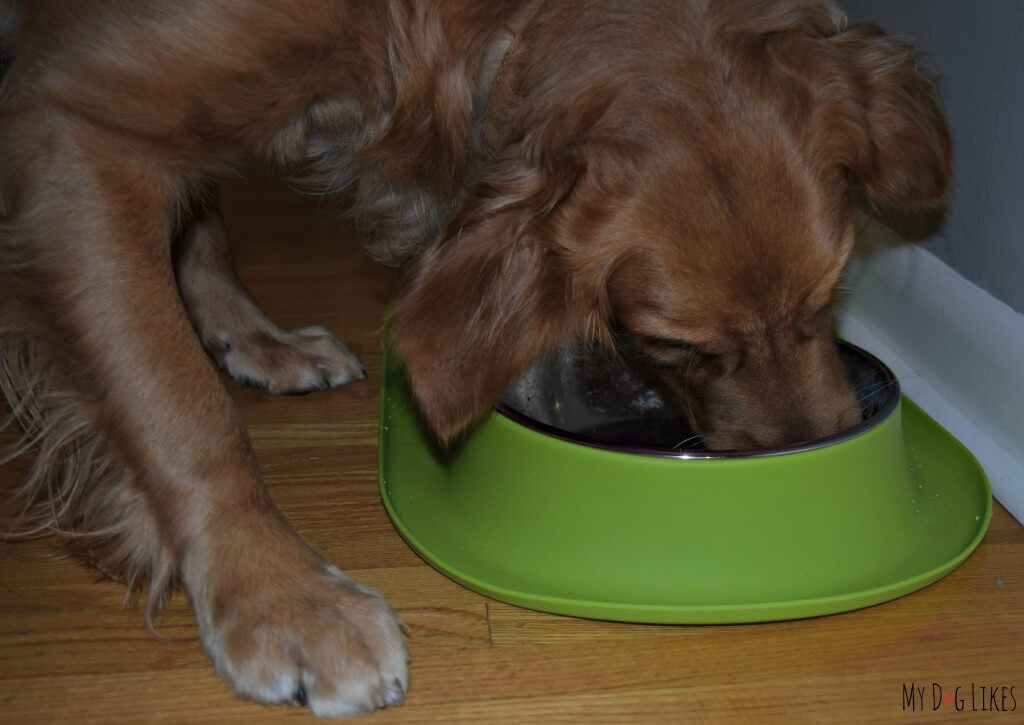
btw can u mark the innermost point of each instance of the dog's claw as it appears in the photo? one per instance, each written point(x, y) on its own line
point(395, 693)
point(300, 697)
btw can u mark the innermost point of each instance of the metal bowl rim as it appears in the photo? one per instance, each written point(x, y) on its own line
point(892, 387)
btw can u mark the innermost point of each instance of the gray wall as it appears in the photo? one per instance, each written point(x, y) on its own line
point(978, 49)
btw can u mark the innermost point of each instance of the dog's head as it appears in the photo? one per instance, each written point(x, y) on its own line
point(699, 201)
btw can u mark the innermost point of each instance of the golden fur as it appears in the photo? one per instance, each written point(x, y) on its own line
point(679, 172)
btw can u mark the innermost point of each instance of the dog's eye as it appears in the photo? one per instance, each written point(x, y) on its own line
point(670, 347)
point(675, 345)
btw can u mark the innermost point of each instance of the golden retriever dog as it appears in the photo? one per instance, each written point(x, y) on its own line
point(679, 171)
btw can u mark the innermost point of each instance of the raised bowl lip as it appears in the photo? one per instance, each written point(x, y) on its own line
point(884, 411)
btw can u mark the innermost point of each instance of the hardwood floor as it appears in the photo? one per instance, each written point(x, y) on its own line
point(69, 651)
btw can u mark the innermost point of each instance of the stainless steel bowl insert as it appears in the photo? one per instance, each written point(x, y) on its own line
point(585, 394)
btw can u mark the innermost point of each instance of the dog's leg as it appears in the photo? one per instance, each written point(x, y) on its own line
point(86, 240)
point(236, 332)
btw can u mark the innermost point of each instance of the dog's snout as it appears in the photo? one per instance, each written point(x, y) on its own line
point(793, 418)
point(798, 427)
point(791, 428)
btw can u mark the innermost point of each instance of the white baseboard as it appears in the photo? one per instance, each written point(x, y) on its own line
point(957, 350)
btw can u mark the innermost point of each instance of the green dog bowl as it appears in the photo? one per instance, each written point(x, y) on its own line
point(558, 504)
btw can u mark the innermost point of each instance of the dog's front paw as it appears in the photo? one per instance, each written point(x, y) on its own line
point(281, 362)
point(324, 641)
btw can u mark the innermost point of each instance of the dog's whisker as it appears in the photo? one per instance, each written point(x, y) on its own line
point(696, 438)
point(872, 389)
point(692, 358)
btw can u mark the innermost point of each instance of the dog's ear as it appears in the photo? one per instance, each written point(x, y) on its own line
point(496, 290)
point(883, 120)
